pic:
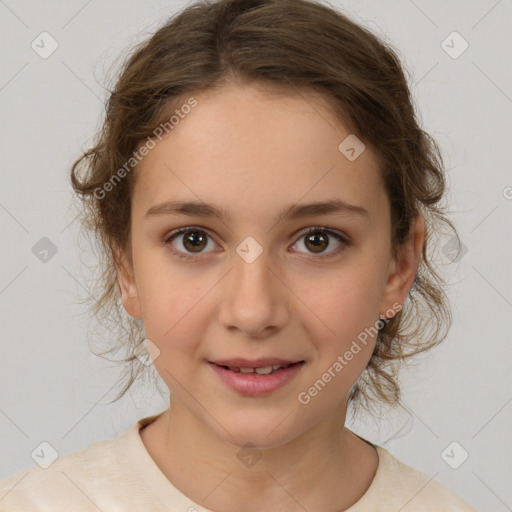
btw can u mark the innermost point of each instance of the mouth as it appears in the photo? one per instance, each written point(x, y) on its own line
point(265, 370)
point(252, 381)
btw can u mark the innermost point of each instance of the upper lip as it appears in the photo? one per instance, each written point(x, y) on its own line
point(262, 362)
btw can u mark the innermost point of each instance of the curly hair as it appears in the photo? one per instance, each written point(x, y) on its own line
point(297, 45)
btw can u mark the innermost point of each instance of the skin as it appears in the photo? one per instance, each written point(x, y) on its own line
point(254, 152)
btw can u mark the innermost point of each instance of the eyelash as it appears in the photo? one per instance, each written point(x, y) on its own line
point(343, 239)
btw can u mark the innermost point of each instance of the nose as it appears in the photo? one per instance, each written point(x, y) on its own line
point(255, 300)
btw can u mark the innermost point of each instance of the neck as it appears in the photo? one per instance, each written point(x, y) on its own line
point(329, 459)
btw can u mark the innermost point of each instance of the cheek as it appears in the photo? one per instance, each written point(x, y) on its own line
point(343, 320)
point(174, 312)
point(176, 326)
point(345, 302)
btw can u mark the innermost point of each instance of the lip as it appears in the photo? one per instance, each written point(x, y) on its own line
point(257, 385)
point(262, 362)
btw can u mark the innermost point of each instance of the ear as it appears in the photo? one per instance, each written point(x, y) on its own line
point(127, 286)
point(402, 271)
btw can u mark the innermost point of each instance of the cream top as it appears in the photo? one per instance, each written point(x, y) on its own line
point(119, 475)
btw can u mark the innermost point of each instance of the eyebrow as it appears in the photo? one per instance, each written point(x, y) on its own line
point(293, 211)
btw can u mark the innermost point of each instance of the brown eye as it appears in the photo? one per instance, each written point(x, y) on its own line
point(194, 241)
point(317, 240)
point(189, 241)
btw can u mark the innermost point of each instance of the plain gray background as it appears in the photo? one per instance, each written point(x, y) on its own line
point(53, 389)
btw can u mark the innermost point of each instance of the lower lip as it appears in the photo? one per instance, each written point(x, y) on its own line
point(251, 384)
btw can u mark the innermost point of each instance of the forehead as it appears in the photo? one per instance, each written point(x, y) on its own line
point(246, 148)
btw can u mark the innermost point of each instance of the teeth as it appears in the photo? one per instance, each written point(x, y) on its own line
point(266, 370)
point(260, 371)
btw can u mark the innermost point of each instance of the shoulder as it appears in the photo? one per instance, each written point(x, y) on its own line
point(71, 478)
point(404, 488)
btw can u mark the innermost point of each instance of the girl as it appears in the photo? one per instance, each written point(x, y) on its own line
point(264, 197)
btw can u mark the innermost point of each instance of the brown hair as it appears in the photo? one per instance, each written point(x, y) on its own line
point(296, 45)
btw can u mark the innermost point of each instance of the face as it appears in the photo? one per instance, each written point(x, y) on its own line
point(254, 283)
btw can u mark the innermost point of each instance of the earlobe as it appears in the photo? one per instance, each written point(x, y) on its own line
point(127, 287)
point(403, 270)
